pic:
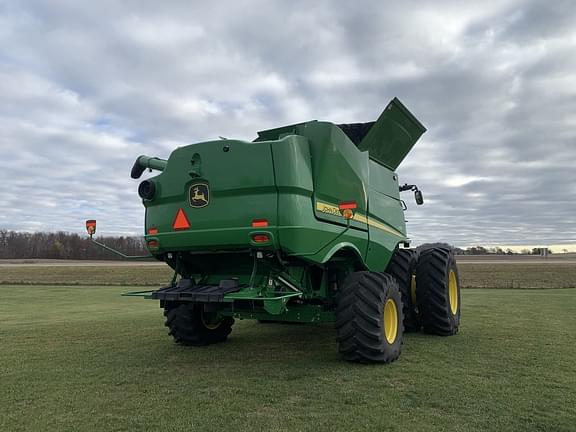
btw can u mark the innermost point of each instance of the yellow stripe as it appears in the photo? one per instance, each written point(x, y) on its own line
point(376, 224)
point(358, 217)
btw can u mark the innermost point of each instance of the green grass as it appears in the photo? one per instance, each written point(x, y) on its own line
point(84, 358)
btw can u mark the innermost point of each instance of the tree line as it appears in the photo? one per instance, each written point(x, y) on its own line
point(481, 250)
point(62, 245)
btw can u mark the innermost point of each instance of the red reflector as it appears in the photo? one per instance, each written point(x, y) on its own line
point(153, 231)
point(181, 221)
point(153, 244)
point(260, 238)
point(347, 205)
point(259, 223)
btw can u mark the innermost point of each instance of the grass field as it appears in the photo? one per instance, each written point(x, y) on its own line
point(85, 358)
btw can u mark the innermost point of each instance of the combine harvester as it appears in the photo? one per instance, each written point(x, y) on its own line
point(304, 224)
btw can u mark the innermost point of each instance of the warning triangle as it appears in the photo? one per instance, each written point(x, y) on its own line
point(181, 221)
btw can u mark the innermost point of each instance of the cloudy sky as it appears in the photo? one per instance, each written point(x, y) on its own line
point(87, 87)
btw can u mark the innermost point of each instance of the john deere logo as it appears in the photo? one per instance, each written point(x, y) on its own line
point(199, 195)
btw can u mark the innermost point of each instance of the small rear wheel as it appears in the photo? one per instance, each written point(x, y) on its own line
point(369, 319)
point(438, 291)
point(189, 324)
point(403, 267)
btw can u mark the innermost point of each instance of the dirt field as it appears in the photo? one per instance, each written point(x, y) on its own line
point(505, 273)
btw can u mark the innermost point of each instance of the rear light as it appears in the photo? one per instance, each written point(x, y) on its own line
point(153, 231)
point(259, 223)
point(153, 244)
point(260, 238)
point(346, 208)
point(347, 205)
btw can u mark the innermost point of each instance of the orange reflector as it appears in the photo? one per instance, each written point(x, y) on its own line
point(91, 226)
point(153, 244)
point(153, 231)
point(181, 221)
point(259, 223)
point(260, 238)
point(347, 205)
point(347, 214)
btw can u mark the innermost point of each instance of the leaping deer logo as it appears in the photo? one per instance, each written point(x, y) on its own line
point(199, 195)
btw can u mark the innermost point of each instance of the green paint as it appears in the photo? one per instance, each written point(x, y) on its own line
point(294, 178)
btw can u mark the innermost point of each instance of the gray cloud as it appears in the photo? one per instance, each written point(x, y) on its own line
point(85, 90)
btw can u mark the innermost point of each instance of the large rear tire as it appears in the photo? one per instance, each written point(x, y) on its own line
point(369, 320)
point(403, 267)
point(190, 325)
point(438, 291)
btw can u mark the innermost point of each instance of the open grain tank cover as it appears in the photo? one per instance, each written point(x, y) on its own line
point(392, 136)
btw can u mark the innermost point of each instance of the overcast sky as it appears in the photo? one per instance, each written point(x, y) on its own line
point(87, 87)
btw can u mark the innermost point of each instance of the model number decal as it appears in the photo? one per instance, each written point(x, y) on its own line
point(334, 211)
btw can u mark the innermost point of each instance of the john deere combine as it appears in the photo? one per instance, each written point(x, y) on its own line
point(304, 224)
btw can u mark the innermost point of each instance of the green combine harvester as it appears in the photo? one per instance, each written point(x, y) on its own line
point(304, 224)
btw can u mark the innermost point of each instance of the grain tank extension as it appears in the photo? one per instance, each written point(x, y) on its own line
point(303, 224)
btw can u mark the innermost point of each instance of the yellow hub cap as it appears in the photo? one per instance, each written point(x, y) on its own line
point(453, 292)
point(390, 321)
point(210, 326)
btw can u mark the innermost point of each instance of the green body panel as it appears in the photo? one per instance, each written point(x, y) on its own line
point(294, 179)
point(386, 213)
point(242, 188)
point(393, 135)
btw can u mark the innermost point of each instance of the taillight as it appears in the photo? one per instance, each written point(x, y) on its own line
point(260, 238)
point(346, 208)
point(259, 223)
point(347, 205)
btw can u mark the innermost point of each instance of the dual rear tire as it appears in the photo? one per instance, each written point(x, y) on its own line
point(403, 267)
point(438, 291)
point(430, 289)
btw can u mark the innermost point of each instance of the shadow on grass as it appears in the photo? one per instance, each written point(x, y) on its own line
point(273, 346)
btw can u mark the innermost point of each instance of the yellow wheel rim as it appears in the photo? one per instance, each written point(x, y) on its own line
point(453, 292)
point(390, 321)
point(210, 326)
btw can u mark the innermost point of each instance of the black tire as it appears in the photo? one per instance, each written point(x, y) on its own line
point(360, 320)
point(189, 325)
point(403, 267)
point(435, 268)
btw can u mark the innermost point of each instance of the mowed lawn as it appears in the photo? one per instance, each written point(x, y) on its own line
point(85, 358)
